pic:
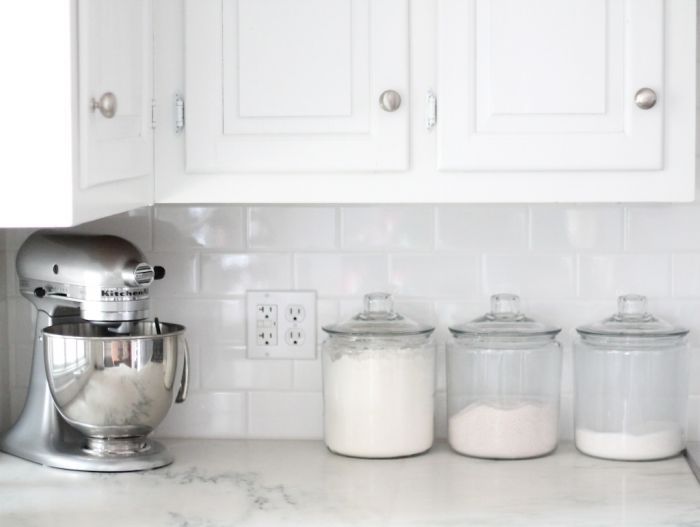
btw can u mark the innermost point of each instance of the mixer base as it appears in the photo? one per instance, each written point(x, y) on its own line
point(74, 456)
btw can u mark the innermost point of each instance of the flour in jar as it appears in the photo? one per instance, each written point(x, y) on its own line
point(660, 440)
point(379, 402)
point(507, 432)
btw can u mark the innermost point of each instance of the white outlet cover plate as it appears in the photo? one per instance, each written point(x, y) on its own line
point(281, 324)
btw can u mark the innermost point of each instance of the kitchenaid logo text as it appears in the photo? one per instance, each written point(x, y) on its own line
point(124, 293)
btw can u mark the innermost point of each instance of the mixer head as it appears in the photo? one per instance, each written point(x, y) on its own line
point(107, 277)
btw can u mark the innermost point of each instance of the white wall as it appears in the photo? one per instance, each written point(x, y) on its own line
point(568, 262)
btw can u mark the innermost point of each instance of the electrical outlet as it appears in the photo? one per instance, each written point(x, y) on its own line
point(294, 337)
point(295, 313)
point(281, 324)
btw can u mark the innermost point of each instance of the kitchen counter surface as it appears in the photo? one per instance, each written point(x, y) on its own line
point(268, 483)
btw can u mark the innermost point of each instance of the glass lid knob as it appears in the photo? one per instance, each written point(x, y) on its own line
point(505, 304)
point(379, 303)
point(632, 306)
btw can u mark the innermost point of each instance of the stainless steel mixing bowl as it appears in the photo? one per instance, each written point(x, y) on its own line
point(110, 385)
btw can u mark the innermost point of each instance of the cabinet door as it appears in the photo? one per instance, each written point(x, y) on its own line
point(550, 84)
point(294, 85)
point(115, 56)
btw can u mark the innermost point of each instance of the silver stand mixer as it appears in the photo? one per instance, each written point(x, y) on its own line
point(102, 376)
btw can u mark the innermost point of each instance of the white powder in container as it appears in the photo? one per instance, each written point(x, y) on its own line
point(504, 432)
point(666, 441)
point(379, 402)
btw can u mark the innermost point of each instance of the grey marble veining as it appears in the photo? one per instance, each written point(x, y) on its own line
point(269, 483)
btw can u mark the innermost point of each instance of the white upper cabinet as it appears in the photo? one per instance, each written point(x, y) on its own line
point(550, 85)
point(115, 41)
point(534, 100)
point(77, 129)
point(289, 86)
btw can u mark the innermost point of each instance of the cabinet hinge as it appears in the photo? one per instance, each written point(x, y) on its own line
point(430, 110)
point(179, 113)
point(153, 114)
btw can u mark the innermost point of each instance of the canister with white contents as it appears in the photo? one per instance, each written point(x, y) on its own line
point(503, 384)
point(631, 385)
point(378, 383)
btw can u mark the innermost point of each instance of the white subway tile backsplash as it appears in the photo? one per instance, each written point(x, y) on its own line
point(686, 275)
point(341, 274)
point(406, 227)
point(539, 275)
point(291, 228)
point(435, 275)
point(568, 262)
point(308, 374)
point(294, 415)
point(134, 225)
point(234, 274)
point(207, 415)
point(482, 227)
point(663, 227)
point(610, 275)
point(564, 228)
point(181, 273)
point(207, 321)
point(226, 368)
point(207, 227)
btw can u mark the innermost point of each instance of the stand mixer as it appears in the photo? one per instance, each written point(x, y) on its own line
point(102, 376)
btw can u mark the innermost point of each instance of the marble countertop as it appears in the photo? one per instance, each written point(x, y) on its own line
point(269, 483)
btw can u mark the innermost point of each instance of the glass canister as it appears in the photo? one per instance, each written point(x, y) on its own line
point(631, 385)
point(378, 383)
point(503, 384)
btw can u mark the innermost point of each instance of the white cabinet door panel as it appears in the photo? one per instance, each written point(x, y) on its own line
point(115, 45)
point(550, 84)
point(293, 85)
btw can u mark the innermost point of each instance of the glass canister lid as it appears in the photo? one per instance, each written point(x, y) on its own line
point(379, 319)
point(504, 320)
point(632, 320)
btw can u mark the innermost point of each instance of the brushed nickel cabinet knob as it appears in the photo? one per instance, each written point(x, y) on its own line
point(645, 98)
point(390, 101)
point(107, 105)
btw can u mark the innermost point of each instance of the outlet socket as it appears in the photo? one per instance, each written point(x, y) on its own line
point(281, 324)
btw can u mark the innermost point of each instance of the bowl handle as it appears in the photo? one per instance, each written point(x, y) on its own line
point(185, 383)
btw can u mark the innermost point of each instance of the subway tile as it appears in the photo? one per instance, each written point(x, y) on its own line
point(326, 314)
point(394, 227)
point(285, 415)
point(308, 374)
point(686, 275)
point(435, 275)
point(234, 274)
point(291, 228)
point(440, 415)
point(610, 275)
point(205, 226)
point(207, 415)
point(181, 274)
point(207, 321)
point(566, 418)
point(482, 227)
point(563, 228)
point(663, 227)
point(225, 368)
point(341, 274)
point(134, 226)
point(530, 275)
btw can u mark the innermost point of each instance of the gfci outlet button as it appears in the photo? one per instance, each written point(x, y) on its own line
point(281, 324)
